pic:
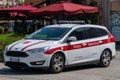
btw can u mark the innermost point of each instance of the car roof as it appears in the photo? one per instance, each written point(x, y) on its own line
point(76, 25)
point(63, 25)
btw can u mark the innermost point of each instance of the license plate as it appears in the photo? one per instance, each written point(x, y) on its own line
point(12, 59)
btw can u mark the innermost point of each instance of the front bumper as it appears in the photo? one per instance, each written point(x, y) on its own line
point(35, 60)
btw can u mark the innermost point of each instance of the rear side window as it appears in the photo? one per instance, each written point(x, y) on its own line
point(102, 32)
point(92, 32)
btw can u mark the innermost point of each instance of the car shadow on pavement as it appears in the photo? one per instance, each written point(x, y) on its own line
point(84, 67)
point(8, 71)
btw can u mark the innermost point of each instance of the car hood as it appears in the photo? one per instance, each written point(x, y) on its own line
point(24, 45)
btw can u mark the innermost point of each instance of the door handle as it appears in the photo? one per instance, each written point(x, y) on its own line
point(84, 44)
point(100, 42)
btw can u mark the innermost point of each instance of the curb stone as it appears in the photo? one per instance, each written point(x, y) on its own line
point(6, 78)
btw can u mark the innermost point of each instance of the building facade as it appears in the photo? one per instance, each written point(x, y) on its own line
point(115, 19)
point(33, 2)
point(9, 3)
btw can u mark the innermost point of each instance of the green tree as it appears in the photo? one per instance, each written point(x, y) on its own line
point(93, 3)
point(78, 1)
point(52, 1)
point(31, 3)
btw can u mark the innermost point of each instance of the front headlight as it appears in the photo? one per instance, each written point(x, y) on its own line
point(37, 50)
point(6, 49)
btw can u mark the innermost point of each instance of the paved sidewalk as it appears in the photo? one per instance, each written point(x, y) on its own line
point(1, 64)
point(5, 78)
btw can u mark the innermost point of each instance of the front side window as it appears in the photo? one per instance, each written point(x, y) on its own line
point(49, 33)
point(78, 33)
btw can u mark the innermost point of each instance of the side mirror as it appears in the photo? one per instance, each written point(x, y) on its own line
point(72, 39)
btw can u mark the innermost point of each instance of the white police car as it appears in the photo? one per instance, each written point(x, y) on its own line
point(58, 46)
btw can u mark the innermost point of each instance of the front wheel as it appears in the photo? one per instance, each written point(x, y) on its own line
point(105, 58)
point(15, 68)
point(57, 63)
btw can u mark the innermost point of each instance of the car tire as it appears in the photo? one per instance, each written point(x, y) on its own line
point(105, 59)
point(57, 63)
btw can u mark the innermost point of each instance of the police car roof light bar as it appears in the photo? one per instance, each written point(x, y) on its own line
point(71, 22)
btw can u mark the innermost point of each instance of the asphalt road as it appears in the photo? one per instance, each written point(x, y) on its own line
point(88, 72)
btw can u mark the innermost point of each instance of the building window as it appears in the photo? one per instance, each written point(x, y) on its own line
point(1, 2)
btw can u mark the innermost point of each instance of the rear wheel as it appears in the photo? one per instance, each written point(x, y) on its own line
point(105, 58)
point(57, 63)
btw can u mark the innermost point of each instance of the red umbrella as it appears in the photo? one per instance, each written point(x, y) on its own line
point(15, 14)
point(20, 9)
point(64, 8)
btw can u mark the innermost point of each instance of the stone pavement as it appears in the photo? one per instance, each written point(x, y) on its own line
point(90, 72)
point(5, 78)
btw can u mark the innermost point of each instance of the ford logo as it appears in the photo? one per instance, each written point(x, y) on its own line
point(16, 49)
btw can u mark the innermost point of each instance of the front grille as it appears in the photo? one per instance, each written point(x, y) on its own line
point(16, 64)
point(16, 54)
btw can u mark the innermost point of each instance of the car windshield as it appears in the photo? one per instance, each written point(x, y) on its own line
point(49, 33)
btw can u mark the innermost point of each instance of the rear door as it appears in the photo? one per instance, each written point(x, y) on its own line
point(94, 40)
point(96, 37)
